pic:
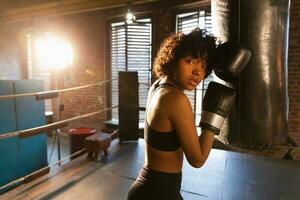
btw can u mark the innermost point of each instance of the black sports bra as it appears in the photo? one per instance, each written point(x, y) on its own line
point(164, 141)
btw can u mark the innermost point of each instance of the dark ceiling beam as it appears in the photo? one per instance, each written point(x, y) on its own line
point(61, 7)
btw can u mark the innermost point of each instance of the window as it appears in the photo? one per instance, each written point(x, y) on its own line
point(35, 72)
point(46, 54)
point(131, 51)
point(186, 22)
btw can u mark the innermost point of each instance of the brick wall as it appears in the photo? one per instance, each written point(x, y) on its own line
point(92, 31)
point(294, 72)
point(88, 34)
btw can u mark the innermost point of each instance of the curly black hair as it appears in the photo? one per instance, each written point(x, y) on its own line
point(198, 44)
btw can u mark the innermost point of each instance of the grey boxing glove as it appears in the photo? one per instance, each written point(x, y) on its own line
point(216, 106)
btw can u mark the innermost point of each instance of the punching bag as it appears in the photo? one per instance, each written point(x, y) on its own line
point(260, 118)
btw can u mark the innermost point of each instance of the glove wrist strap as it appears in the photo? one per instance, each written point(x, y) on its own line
point(212, 119)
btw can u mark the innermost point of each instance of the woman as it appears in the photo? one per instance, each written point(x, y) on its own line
point(181, 64)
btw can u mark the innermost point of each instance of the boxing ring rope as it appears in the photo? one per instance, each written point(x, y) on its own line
point(51, 94)
point(24, 178)
point(54, 93)
point(29, 176)
point(56, 125)
point(143, 83)
point(131, 80)
point(37, 130)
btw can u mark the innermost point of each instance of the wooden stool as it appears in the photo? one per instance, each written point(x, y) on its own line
point(96, 143)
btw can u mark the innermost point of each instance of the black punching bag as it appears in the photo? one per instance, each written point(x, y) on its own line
point(261, 114)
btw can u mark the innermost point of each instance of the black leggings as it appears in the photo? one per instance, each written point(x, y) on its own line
point(154, 185)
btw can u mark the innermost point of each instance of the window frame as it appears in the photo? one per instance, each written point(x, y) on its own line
point(109, 61)
point(33, 73)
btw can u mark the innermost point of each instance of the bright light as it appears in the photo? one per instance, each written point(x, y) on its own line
point(53, 52)
point(130, 18)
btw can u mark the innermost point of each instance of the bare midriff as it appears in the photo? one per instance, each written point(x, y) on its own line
point(164, 161)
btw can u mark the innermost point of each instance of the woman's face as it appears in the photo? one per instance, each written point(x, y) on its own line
point(190, 72)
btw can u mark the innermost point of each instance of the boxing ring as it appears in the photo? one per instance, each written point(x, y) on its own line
point(226, 175)
point(19, 135)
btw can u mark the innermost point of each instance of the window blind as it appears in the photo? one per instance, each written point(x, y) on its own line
point(131, 51)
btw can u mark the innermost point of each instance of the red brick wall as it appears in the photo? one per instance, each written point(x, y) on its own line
point(88, 33)
point(294, 71)
point(91, 30)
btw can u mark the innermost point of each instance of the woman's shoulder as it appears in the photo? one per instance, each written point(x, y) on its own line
point(173, 97)
point(168, 94)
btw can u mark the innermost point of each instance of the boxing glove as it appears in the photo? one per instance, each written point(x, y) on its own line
point(216, 106)
point(229, 60)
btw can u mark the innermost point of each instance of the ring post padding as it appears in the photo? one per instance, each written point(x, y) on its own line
point(22, 155)
point(9, 158)
point(31, 113)
point(128, 106)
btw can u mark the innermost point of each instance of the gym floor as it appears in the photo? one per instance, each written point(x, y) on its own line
point(226, 175)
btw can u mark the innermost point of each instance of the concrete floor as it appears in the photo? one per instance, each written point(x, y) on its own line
point(226, 175)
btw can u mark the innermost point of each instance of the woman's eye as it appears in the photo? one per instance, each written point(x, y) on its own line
point(189, 61)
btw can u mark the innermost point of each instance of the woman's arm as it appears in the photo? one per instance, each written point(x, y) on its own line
point(196, 148)
point(206, 140)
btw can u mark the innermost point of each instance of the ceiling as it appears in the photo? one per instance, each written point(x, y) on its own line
point(21, 10)
point(16, 4)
